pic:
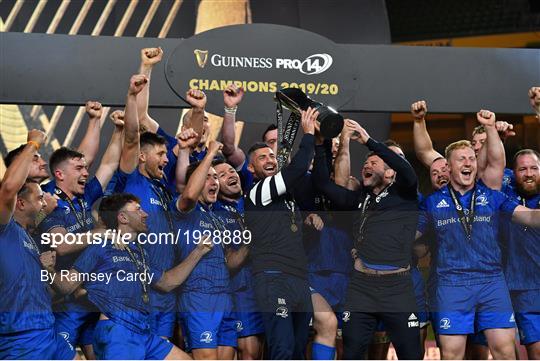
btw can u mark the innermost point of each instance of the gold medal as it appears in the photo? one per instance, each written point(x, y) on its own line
point(145, 298)
point(294, 227)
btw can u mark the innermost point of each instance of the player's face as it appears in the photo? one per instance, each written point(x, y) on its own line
point(335, 147)
point(136, 217)
point(155, 160)
point(229, 181)
point(478, 141)
point(527, 173)
point(271, 138)
point(32, 200)
point(373, 172)
point(263, 163)
point(211, 187)
point(74, 173)
point(439, 174)
point(463, 167)
point(38, 169)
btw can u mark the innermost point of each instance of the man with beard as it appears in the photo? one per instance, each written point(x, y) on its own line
point(205, 304)
point(469, 290)
point(277, 253)
point(522, 268)
point(122, 276)
point(26, 321)
point(381, 286)
point(230, 208)
point(76, 194)
point(142, 168)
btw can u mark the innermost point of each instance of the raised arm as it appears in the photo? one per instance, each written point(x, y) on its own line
point(111, 158)
point(423, 147)
point(16, 174)
point(129, 159)
point(493, 173)
point(187, 139)
point(90, 144)
point(340, 196)
point(197, 99)
point(196, 182)
point(232, 96)
point(177, 275)
point(534, 99)
point(149, 58)
point(342, 164)
point(63, 285)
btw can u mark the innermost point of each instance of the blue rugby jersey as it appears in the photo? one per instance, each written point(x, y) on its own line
point(231, 214)
point(170, 169)
point(210, 275)
point(120, 300)
point(75, 217)
point(25, 303)
point(155, 200)
point(522, 266)
point(456, 260)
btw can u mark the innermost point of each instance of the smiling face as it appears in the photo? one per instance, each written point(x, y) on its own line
point(439, 173)
point(462, 166)
point(154, 159)
point(211, 187)
point(72, 175)
point(373, 172)
point(527, 173)
point(133, 217)
point(229, 181)
point(263, 163)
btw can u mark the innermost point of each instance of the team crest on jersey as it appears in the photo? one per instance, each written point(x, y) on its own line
point(65, 336)
point(481, 200)
point(346, 316)
point(282, 312)
point(67, 210)
point(239, 326)
point(206, 337)
point(442, 204)
point(445, 323)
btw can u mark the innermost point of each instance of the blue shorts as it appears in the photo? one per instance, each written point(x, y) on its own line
point(207, 320)
point(162, 323)
point(114, 341)
point(75, 326)
point(460, 310)
point(527, 307)
point(332, 286)
point(35, 345)
point(248, 320)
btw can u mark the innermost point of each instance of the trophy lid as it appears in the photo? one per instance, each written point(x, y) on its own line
point(293, 99)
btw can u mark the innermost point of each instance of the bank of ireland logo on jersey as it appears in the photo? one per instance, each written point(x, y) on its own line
point(206, 337)
point(445, 323)
point(201, 56)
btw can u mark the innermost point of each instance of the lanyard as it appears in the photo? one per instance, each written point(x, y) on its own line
point(466, 216)
point(164, 198)
point(365, 207)
point(81, 218)
point(291, 206)
point(217, 223)
point(145, 297)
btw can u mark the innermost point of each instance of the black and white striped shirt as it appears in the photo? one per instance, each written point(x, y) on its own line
point(269, 206)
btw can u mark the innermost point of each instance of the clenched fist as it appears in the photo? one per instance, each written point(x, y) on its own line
point(214, 147)
point(419, 110)
point(196, 98)
point(48, 260)
point(137, 83)
point(534, 99)
point(117, 117)
point(232, 96)
point(151, 56)
point(37, 136)
point(485, 117)
point(94, 109)
point(187, 139)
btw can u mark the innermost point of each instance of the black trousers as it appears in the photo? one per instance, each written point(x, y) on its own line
point(390, 299)
point(286, 309)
